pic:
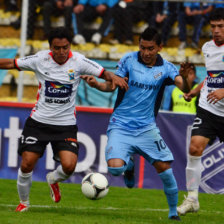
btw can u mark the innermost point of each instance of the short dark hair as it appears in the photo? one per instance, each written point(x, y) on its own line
point(217, 14)
point(151, 34)
point(193, 67)
point(60, 32)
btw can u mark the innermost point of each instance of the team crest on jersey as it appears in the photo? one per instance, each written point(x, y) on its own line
point(158, 76)
point(223, 58)
point(71, 74)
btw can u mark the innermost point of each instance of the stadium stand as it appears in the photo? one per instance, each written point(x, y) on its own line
point(10, 38)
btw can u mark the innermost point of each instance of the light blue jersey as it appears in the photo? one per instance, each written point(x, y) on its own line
point(135, 109)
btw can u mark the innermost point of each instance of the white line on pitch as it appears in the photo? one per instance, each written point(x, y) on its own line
point(82, 208)
point(108, 208)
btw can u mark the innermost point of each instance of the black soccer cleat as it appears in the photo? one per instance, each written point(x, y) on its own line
point(129, 177)
point(175, 217)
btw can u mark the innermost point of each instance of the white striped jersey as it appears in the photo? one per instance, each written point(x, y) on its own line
point(58, 85)
point(214, 62)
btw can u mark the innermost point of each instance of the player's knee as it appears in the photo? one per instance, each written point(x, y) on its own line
point(116, 171)
point(195, 150)
point(68, 169)
point(27, 167)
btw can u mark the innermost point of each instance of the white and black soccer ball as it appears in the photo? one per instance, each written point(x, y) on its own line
point(95, 186)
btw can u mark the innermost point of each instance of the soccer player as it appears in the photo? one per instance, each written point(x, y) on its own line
point(53, 118)
point(132, 128)
point(209, 121)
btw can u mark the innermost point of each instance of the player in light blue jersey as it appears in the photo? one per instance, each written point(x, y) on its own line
point(132, 128)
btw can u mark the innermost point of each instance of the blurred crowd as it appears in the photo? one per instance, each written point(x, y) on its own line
point(119, 14)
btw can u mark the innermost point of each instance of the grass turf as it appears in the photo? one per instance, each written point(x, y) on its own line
point(120, 206)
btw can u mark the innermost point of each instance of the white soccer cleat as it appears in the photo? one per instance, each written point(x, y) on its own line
point(79, 39)
point(188, 205)
point(96, 38)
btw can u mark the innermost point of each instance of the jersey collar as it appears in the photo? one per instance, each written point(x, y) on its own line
point(218, 45)
point(69, 56)
point(159, 60)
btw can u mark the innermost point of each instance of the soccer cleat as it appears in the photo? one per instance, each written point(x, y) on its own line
point(79, 39)
point(96, 38)
point(114, 41)
point(54, 189)
point(182, 45)
point(129, 177)
point(22, 207)
point(175, 217)
point(188, 205)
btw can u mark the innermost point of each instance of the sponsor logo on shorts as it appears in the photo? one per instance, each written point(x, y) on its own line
point(30, 140)
point(70, 140)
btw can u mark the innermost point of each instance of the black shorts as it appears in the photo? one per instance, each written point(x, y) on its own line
point(208, 125)
point(36, 136)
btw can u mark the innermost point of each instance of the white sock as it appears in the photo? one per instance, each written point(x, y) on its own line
point(24, 182)
point(193, 175)
point(58, 175)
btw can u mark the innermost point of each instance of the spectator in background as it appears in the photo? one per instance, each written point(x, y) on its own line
point(125, 14)
point(219, 5)
point(49, 8)
point(165, 15)
point(87, 11)
point(178, 103)
point(57, 8)
point(11, 5)
point(34, 8)
point(194, 13)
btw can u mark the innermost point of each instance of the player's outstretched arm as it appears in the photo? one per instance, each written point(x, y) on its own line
point(102, 86)
point(7, 63)
point(194, 92)
point(181, 81)
point(215, 96)
point(115, 80)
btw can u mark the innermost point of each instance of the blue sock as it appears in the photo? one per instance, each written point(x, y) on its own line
point(117, 171)
point(171, 190)
point(130, 165)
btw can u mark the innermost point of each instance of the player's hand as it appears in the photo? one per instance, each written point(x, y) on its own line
point(215, 96)
point(60, 4)
point(185, 68)
point(78, 8)
point(68, 3)
point(188, 96)
point(101, 9)
point(119, 82)
point(91, 80)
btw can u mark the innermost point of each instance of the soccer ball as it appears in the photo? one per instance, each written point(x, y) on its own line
point(95, 186)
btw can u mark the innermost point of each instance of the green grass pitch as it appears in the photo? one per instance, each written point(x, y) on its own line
point(120, 206)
